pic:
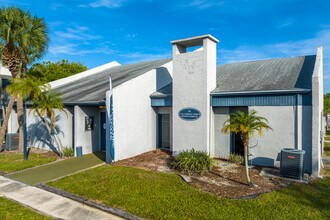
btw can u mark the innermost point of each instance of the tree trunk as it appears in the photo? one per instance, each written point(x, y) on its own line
point(5, 121)
point(20, 120)
point(56, 139)
point(246, 150)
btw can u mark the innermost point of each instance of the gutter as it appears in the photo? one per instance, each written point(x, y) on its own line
point(261, 92)
point(71, 104)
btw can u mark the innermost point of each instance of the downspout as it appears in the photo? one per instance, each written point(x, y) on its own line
point(296, 122)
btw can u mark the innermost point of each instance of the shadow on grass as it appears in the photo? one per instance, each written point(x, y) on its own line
point(100, 155)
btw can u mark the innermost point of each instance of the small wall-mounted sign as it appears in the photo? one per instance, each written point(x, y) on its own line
point(189, 114)
point(89, 123)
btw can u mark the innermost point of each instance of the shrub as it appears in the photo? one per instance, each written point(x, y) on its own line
point(236, 158)
point(68, 152)
point(192, 161)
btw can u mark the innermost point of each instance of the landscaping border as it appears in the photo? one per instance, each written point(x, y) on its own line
point(85, 201)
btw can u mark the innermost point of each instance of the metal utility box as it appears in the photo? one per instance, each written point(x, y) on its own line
point(79, 151)
point(292, 163)
point(89, 123)
point(11, 141)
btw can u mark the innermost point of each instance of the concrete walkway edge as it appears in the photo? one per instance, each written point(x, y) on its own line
point(48, 203)
point(81, 199)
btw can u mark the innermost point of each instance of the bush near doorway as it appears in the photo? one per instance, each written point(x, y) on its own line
point(193, 161)
point(236, 158)
point(68, 152)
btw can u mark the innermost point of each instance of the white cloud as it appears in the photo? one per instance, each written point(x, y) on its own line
point(104, 3)
point(77, 33)
point(74, 41)
point(73, 49)
point(131, 36)
point(281, 49)
point(139, 56)
point(204, 4)
point(286, 23)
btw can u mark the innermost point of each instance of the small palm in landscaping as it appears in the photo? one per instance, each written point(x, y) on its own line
point(192, 161)
point(245, 125)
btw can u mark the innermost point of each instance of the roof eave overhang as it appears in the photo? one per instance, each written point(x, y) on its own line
point(265, 92)
point(87, 104)
point(161, 96)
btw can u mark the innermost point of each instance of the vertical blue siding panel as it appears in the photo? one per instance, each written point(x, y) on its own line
point(262, 100)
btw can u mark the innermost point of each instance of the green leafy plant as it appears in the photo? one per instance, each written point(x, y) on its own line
point(236, 158)
point(68, 152)
point(193, 161)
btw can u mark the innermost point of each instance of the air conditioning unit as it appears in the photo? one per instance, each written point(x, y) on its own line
point(292, 163)
point(11, 141)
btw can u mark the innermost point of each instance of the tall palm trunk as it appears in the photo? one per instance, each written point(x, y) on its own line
point(246, 163)
point(5, 121)
point(20, 119)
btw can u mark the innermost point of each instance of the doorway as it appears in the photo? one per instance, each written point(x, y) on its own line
point(103, 128)
point(237, 146)
point(164, 131)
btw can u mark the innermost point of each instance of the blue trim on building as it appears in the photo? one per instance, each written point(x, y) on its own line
point(275, 98)
point(111, 124)
point(161, 102)
point(261, 100)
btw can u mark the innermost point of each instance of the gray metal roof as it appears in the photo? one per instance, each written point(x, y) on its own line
point(163, 92)
point(264, 75)
point(92, 89)
point(286, 75)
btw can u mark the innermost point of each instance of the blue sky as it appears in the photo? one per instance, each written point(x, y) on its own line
point(99, 31)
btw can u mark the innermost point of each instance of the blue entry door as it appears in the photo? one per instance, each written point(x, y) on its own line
point(103, 129)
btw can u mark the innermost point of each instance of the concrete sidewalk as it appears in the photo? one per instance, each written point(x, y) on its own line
point(48, 203)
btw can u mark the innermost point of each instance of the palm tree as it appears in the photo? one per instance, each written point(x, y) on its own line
point(245, 125)
point(23, 39)
point(44, 102)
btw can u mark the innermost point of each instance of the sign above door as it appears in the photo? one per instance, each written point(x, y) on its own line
point(189, 114)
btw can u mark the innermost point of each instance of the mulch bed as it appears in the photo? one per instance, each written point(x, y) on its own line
point(225, 180)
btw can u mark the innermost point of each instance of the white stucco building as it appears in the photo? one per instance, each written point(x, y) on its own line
point(182, 102)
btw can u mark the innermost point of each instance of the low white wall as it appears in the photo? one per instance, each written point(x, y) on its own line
point(37, 133)
point(266, 149)
point(134, 118)
point(88, 140)
point(221, 143)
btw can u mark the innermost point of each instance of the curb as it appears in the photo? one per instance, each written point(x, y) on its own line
point(87, 202)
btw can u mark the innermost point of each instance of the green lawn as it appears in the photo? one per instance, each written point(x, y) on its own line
point(156, 195)
point(15, 162)
point(327, 148)
point(58, 169)
point(327, 135)
point(12, 210)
